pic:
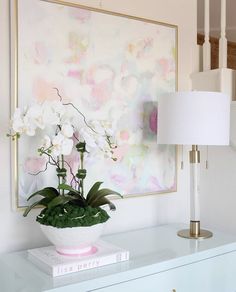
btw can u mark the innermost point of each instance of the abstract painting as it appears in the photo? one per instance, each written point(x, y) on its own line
point(112, 67)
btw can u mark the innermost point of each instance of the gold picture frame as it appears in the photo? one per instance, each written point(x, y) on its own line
point(19, 31)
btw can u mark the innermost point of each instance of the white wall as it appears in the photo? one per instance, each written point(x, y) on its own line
point(20, 233)
point(218, 185)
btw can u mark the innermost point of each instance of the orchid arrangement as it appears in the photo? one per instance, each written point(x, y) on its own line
point(65, 128)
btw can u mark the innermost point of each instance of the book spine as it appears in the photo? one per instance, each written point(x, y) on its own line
point(91, 263)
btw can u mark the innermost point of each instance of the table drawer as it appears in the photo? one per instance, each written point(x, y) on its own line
point(217, 274)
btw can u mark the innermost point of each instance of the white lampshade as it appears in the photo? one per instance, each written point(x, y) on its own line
point(194, 118)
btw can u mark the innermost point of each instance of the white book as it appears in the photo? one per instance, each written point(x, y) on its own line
point(54, 264)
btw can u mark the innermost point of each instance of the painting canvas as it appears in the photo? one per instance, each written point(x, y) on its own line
point(112, 67)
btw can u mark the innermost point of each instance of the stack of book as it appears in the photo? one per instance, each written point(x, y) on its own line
point(54, 264)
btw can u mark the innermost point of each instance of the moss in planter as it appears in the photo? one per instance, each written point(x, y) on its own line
point(70, 215)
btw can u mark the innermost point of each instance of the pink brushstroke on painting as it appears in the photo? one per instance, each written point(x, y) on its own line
point(74, 74)
point(81, 15)
point(129, 184)
point(153, 121)
point(100, 79)
point(118, 179)
point(34, 164)
point(41, 53)
point(100, 94)
point(124, 135)
point(155, 182)
point(43, 90)
point(165, 67)
point(121, 151)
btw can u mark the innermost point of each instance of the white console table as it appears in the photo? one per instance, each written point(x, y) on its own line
point(160, 261)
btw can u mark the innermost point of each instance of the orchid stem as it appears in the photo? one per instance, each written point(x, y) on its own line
point(61, 173)
point(82, 167)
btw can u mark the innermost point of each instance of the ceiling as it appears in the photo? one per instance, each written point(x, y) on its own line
point(215, 18)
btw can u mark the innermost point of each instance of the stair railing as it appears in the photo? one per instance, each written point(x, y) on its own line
point(206, 44)
point(222, 41)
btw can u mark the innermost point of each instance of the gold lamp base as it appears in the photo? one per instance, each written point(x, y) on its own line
point(195, 232)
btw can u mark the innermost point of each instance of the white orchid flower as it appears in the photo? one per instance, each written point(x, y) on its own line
point(29, 127)
point(18, 126)
point(67, 130)
point(66, 147)
point(102, 127)
point(109, 131)
point(50, 116)
point(35, 116)
point(97, 134)
point(52, 112)
point(101, 142)
point(61, 145)
point(86, 135)
point(46, 142)
point(108, 154)
point(17, 114)
point(17, 122)
point(21, 124)
point(58, 107)
point(97, 126)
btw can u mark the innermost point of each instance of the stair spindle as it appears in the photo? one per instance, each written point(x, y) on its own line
point(223, 40)
point(206, 44)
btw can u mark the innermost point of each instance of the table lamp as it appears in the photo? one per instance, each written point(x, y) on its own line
point(194, 118)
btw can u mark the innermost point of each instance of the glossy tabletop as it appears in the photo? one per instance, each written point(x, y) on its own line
point(153, 249)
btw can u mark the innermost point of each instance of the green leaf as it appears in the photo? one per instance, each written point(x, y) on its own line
point(93, 190)
point(41, 202)
point(102, 193)
point(103, 201)
point(68, 188)
point(78, 199)
point(48, 192)
point(60, 200)
point(74, 193)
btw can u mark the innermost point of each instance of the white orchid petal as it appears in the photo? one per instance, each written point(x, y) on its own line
point(67, 146)
point(67, 130)
point(58, 107)
point(61, 145)
point(34, 116)
point(46, 142)
point(86, 135)
point(17, 114)
point(30, 131)
point(57, 139)
point(56, 151)
point(49, 115)
point(18, 125)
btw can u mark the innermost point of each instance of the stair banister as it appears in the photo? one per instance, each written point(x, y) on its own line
point(206, 44)
point(223, 40)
